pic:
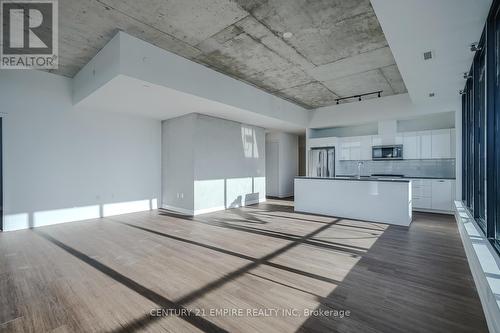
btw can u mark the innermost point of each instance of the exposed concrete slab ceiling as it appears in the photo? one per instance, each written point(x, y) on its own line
point(130, 75)
point(337, 48)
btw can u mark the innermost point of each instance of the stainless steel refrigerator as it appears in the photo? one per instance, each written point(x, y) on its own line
point(322, 162)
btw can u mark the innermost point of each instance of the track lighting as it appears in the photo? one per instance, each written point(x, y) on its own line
point(462, 92)
point(359, 97)
point(467, 76)
point(474, 47)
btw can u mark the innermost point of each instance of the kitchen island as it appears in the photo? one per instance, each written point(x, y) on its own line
point(369, 199)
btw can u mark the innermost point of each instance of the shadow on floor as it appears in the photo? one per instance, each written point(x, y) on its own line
point(158, 299)
point(403, 284)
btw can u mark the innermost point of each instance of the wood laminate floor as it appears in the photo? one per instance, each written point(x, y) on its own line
point(255, 269)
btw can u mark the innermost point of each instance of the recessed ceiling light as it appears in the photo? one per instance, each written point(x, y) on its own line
point(287, 35)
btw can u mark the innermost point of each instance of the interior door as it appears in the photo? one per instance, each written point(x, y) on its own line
point(272, 169)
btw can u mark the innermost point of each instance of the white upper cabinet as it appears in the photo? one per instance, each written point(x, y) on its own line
point(366, 147)
point(376, 140)
point(411, 146)
point(322, 142)
point(355, 148)
point(344, 149)
point(399, 138)
point(416, 145)
point(425, 144)
point(441, 143)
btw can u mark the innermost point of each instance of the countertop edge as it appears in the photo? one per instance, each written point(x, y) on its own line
point(358, 179)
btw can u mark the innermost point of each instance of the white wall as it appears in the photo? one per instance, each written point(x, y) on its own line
point(229, 169)
point(178, 163)
point(288, 162)
point(376, 109)
point(224, 164)
point(61, 165)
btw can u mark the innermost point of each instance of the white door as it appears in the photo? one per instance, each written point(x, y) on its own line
point(272, 169)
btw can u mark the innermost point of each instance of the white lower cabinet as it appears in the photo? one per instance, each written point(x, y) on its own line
point(433, 194)
point(422, 203)
point(421, 193)
point(441, 194)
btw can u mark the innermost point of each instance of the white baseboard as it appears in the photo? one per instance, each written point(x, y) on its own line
point(424, 210)
point(210, 209)
point(178, 209)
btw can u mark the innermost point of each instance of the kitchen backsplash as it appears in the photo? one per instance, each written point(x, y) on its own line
point(439, 168)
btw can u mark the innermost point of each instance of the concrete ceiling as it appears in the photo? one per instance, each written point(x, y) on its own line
point(337, 49)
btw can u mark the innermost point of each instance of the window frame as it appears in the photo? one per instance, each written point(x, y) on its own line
point(481, 132)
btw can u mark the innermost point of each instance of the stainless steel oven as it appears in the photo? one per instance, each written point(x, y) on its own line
point(391, 152)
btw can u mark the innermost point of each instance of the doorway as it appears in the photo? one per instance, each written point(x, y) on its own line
point(272, 169)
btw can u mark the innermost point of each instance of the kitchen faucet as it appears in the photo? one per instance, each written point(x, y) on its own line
point(360, 164)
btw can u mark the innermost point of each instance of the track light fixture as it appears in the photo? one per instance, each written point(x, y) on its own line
point(467, 76)
point(359, 97)
point(462, 92)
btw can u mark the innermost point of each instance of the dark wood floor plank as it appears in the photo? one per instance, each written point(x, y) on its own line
point(106, 275)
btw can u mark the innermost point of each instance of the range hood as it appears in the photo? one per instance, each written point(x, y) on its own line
point(387, 130)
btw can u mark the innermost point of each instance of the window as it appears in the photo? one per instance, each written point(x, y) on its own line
point(481, 131)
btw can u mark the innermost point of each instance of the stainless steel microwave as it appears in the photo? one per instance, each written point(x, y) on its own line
point(392, 152)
